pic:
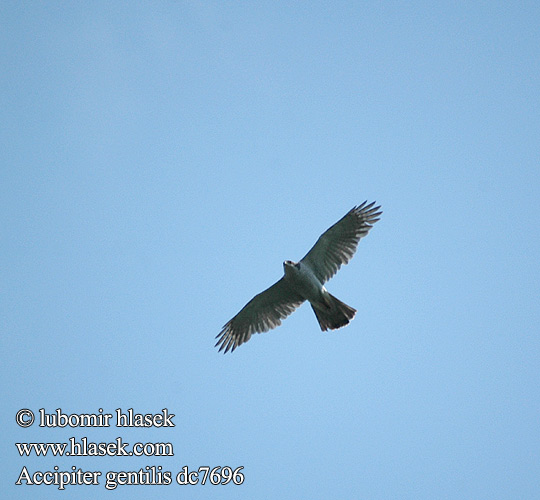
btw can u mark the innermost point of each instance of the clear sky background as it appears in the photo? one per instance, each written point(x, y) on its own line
point(160, 160)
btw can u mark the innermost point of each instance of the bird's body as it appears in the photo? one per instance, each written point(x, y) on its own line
point(329, 311)
point(304, 280)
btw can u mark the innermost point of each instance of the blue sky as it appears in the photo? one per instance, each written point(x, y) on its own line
point(161, 160)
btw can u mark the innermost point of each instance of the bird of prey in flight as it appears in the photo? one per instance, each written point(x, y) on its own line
point(303, 281)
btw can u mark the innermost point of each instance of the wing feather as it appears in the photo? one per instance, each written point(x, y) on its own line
point(262, 313)
point(337, 245)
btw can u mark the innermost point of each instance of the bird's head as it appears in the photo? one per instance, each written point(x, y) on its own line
point(290, 266)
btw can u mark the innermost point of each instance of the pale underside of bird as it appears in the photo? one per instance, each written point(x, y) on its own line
point(304, 280)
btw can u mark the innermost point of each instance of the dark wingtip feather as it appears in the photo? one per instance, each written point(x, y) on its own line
point(224, 337)
point(370, 213)
point(227, 339)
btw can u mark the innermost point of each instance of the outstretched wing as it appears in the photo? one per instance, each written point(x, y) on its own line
point(262, 313)
point(337, 245)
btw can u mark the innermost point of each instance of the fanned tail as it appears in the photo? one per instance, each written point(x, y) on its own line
point(333, 314)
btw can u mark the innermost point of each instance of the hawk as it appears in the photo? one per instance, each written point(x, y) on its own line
point(303, 281)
